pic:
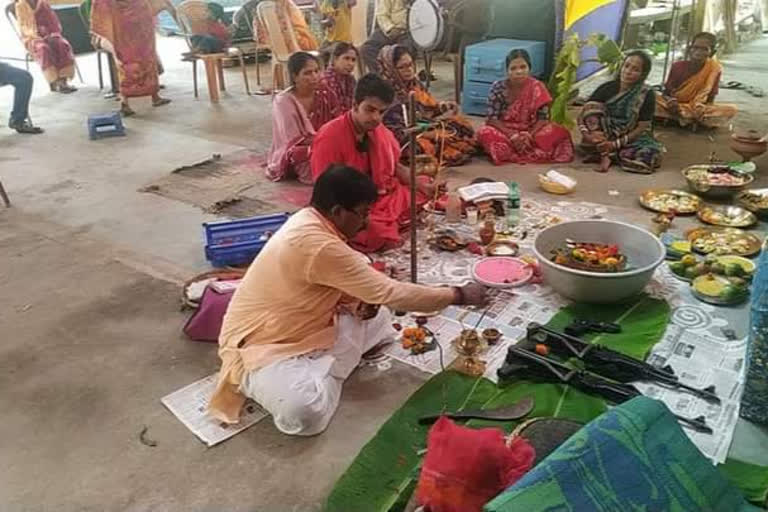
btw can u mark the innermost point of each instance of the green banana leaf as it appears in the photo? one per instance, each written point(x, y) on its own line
point(384, 474)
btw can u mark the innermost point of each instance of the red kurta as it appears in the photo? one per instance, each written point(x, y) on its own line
point(335, 143)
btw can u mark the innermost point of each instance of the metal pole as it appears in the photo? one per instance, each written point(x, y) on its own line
point(412, 124)
point(675, 7)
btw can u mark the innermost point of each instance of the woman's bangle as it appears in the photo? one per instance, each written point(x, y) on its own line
point(583, 129)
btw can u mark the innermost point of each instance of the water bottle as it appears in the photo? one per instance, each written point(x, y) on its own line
point(513, 206)
point(453, 208)
point(754, 401)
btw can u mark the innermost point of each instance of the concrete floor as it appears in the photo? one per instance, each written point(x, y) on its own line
point(91, 329)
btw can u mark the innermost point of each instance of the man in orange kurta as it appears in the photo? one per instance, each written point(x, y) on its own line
point(286, 341)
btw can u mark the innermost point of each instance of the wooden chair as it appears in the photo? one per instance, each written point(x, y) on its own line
point(10, 14)
point(281, 42)
point(360, 29)
point(193, 16)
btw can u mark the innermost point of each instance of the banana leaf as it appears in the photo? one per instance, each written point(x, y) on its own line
point(384, 474)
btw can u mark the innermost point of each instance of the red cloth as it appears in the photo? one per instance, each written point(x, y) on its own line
point(465, 468)
point(335, 143)
point(534, 141)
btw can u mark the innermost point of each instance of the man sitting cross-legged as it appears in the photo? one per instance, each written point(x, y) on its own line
point(295, 329)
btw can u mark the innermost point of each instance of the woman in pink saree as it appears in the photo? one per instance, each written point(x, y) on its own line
point(517, 129)
point(126, 29)
point(297, 113)
point(41, 33)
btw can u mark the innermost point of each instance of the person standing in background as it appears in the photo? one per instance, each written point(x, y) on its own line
point(391, 28)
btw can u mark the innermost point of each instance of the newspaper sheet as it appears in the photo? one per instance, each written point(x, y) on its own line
point(508, 312)
point(700, 361)
point(190, 402)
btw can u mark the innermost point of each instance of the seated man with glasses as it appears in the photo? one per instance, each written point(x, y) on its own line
point(359, 139)
point(300, 320)
point(692, 86)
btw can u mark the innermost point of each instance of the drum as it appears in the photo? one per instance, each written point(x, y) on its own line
point(426, 24)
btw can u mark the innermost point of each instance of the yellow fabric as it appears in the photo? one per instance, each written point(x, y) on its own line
point(577, 9)
point(696, 89)
point(286, 303)
point(341, 30)
point(25, 16)
point(392, 15)
point(304, 37)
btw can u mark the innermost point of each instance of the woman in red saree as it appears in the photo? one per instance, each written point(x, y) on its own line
point(338, 78)
point(126, 29)
point(41, 33)
point(517, 129)
point(297, 113)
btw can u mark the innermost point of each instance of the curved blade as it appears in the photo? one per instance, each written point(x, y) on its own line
point(507, 413)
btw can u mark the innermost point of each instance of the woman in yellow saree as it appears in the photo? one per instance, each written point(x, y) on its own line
point(692, 86)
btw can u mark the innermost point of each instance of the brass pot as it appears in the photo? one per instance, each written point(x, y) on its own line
point(749, 144)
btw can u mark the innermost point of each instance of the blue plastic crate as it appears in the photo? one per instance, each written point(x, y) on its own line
point(234, 242)
point(105, 125)
point(474, 98)
point(486, 61)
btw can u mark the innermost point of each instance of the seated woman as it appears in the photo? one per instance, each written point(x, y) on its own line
point(453, 134)
point(290, 18)
point(692, 86)
point(41, 33)
point(336, 20)
point(338, 77)
point(517, 129)
point(297, 114)
point(616, 121)
point(214, 35)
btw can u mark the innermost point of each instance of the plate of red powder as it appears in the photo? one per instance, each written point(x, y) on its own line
point(502, 272)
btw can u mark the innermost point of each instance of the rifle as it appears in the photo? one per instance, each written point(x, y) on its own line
point(522, 363)
point(612, 364)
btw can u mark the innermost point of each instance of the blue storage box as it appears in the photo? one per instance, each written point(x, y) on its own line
point(105, 125)
point(486, 61)
point(474, 98)
point(235, 242)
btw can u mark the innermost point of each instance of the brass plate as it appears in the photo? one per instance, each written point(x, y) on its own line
point(728, 216)
point(665, 201)
point(723, 241)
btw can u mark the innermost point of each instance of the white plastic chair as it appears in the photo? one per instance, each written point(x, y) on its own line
point(282, 42)
point(360, 28)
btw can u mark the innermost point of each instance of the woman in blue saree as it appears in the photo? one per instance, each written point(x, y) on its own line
point(616, 122)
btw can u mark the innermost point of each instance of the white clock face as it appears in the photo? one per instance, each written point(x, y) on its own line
point(425, 23)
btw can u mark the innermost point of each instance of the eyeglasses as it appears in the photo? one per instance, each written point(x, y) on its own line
point(702, 48)
point(363, 215)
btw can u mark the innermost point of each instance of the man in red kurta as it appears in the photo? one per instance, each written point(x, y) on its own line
point(358, 139)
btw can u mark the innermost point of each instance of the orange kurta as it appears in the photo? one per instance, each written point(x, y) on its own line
point(287, 301)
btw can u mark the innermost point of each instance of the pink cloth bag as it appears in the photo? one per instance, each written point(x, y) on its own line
point(205, 322)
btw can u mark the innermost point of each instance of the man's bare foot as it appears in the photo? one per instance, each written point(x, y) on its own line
point(605, 164)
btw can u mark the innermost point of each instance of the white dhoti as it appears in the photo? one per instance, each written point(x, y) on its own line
point(303, 392)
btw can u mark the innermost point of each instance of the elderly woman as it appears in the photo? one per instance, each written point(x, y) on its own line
point(41, 33)
point(616, 122)
point(517, 129)
point(297, 114)
point(338, 78)
point(692, 86)
point(451, 140)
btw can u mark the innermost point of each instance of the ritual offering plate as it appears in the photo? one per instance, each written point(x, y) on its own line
point(676, 247)
point(591, 257)
point(723, 242)
point(448, 241)
point(729, 216)
point(668, 201)
point(690, 267)
point(502, 272)
point(716, 180)
point(755, 200)
point(502, 248)
point(418, 340)
point(720, 290)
